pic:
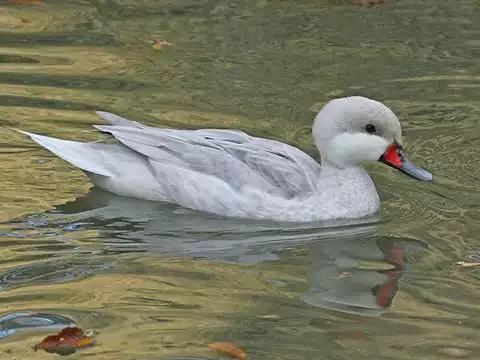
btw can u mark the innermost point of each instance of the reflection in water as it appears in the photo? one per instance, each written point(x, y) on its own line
point(359, 274)
point(133, 225)
point(353, 269)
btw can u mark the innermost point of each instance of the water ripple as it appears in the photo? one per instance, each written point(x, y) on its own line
point(51, 272)
point(13, 323)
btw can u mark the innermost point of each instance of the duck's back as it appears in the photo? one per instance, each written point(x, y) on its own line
point(233, 157)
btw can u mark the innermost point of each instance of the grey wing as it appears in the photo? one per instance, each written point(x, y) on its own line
point(285, 166)
point(232, 156)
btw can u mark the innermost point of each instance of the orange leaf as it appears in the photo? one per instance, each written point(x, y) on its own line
point(160, 44)
point(229, 349)
point(86, 341)
point(67, 341)
point(48, 342)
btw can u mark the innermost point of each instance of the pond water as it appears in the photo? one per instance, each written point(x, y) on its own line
point(156, 281)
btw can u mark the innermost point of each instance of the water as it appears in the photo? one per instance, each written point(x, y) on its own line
point(157, 281)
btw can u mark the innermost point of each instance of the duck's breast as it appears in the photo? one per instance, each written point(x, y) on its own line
point(347, 193)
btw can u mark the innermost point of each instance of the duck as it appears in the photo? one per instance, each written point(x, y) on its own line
point(229, 173)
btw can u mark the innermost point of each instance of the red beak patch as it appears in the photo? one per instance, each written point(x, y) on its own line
point(391, 156)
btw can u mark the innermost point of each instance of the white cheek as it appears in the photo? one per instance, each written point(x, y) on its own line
point(372, 152)
point(351, 149)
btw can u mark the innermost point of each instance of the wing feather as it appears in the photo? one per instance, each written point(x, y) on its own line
point(232, 156)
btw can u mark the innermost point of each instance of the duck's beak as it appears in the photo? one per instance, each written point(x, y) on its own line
point(395, 157)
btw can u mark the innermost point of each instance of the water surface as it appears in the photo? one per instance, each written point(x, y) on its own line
point(157, 281)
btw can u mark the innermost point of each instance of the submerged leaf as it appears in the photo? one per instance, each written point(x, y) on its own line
point(229, 349)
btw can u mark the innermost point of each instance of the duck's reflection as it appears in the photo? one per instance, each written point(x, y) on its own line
point(353, 268)
point(358, 275)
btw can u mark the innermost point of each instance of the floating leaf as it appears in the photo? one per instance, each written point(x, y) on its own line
point(343, 274)
point(66, 342)
point(467, 264)
point(160, 44)
point(229, 349)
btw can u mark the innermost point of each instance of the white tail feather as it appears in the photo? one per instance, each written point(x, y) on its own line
point(85, 156)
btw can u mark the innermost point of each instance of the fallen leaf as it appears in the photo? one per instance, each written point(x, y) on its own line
point(343, 274)
point(229, 349)
point(66, 342)
point(160, 44)
point(86, 341)
point(467, 264)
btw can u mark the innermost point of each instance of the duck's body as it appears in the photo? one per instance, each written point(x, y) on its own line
point(226, 172)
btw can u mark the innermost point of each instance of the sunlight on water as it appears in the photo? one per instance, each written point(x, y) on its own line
point(156, 281)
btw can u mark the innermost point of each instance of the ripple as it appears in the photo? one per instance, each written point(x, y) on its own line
point(60, 38)
point(74, 227)
point(6, 100)
point(5, 58)
point(49, 273)
point(34, 59)
point(70, 81)
point(14, 235)
point(13, 323)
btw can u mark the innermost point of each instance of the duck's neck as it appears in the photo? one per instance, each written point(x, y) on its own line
point(347, 191)
point(331, 169)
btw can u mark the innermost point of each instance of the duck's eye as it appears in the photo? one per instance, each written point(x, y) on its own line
point(370, 129)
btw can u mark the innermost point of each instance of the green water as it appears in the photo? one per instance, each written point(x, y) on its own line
point(159, 282)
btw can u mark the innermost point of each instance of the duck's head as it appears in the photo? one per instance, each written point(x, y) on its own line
point(353, 129)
